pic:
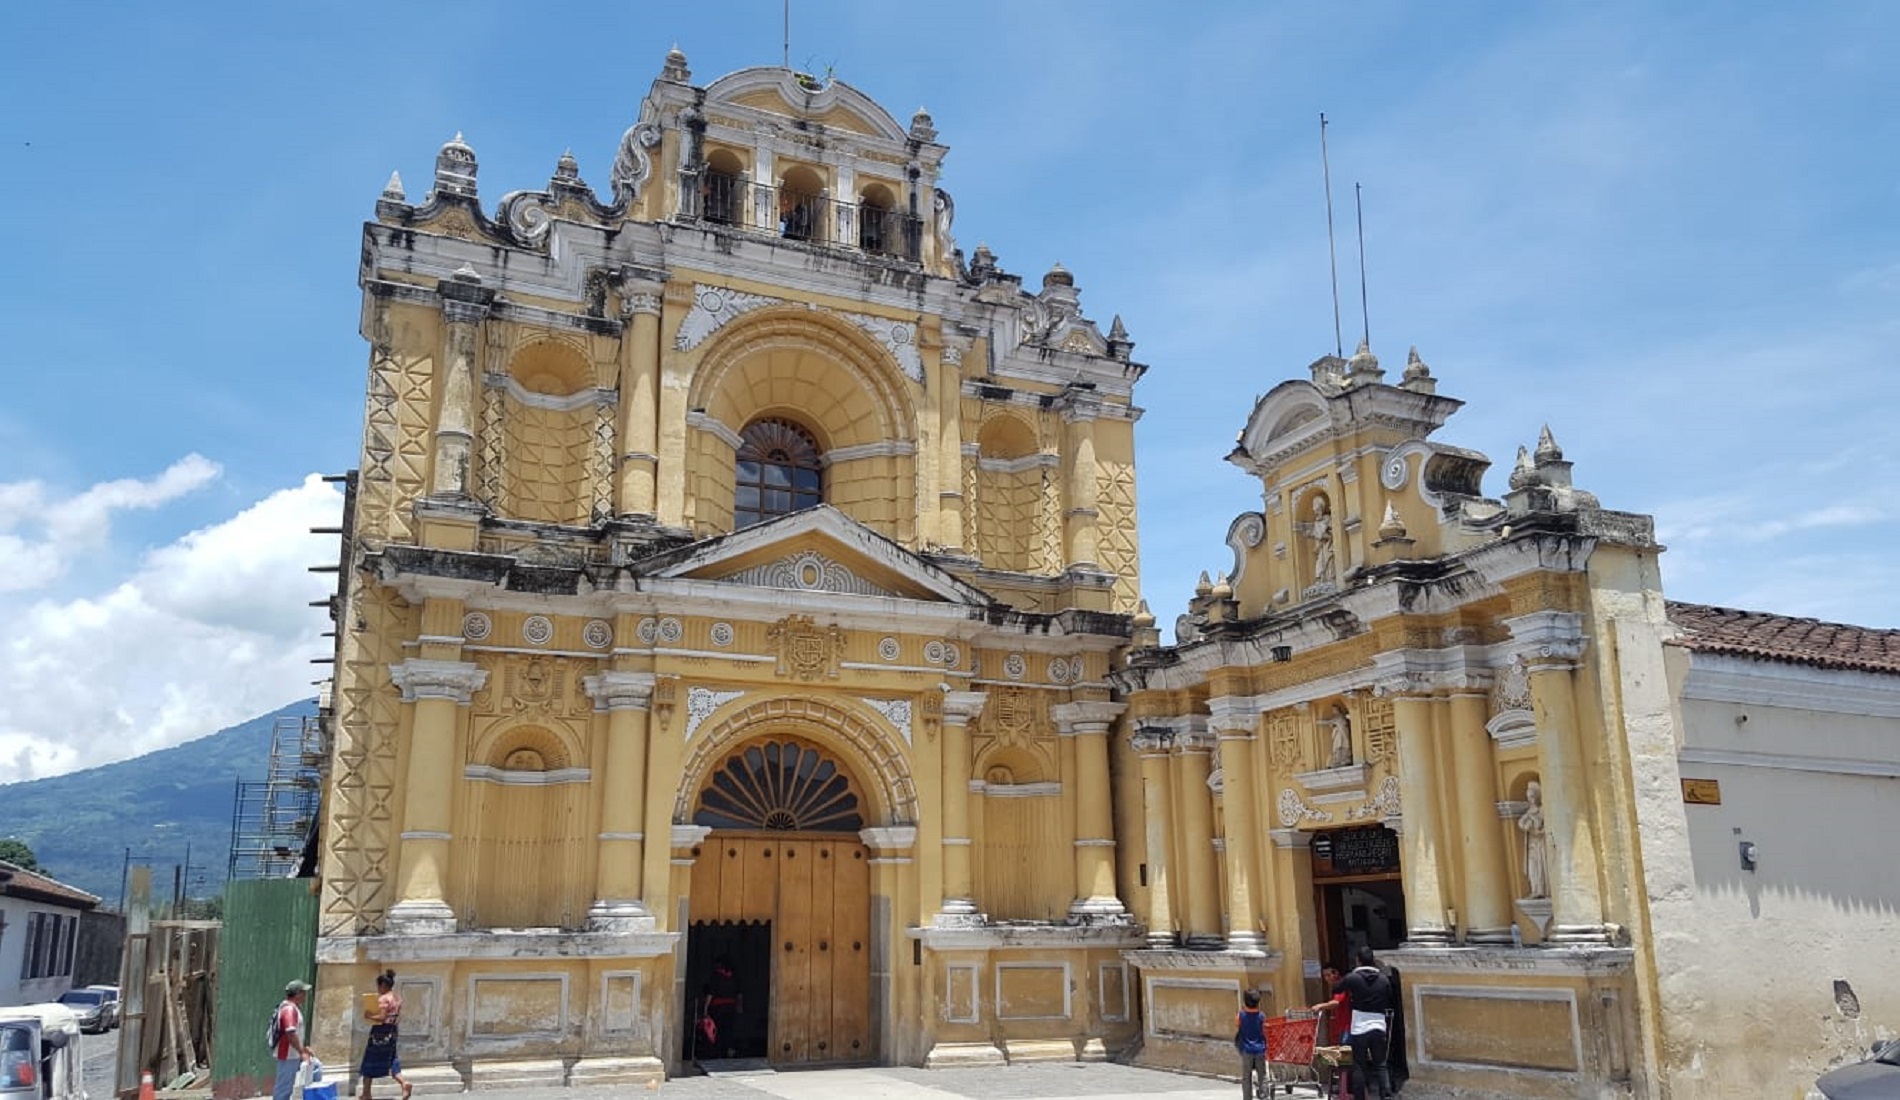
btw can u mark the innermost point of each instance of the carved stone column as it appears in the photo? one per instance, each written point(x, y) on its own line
point(953, 528)
point(437, 690)
point(1087, 722)
point(959, 890)
point(1078, 417)
point(619, 875)
point(1485, 909)
point(465, 304)
point(639, 400)
point(1553, 643)
point(1419, 840)
point(1157, 801)
point(1195, 807)
point(1235, 728)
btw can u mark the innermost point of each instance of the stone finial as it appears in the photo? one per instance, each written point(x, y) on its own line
point(1058, 276)
point(1418, 376)
point(922, 126)
point(1547, 449)
point(1391, 526)
point(455, 168)
point(1117, 330)
point(1364, 366)
point(982, 262)
point(1144, 618)
point(1523, 474)
point(567, 169)
point(1223, 588)
point(1203, 587)
point(1119, 345)
point(393, 189)
point(675, 68)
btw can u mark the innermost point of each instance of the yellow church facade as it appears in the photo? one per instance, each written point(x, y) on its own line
point(743, 623)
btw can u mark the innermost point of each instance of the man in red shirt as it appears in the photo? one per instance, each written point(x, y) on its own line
point(291, 1050)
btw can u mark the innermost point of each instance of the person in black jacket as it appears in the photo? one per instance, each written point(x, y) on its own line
point(1370, 993)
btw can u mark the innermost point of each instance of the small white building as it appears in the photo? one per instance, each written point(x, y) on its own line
point(39, 934)
point(1773, 875)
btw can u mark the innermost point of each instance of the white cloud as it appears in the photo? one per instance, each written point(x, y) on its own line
point(210, 630)
point(79, 524)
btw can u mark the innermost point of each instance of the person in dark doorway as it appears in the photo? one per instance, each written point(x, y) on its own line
point(1336, 1008)
point(1370, 993)
point(723, 1004)
point(1250, 1041)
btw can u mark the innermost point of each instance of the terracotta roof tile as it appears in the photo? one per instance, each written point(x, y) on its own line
point(25, 883)
point(1785, 638)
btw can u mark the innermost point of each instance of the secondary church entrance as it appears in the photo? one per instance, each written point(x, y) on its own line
point(779, 950)
point(1358, 895)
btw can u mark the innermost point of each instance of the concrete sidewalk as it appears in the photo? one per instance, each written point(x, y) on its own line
point(1036, 1081)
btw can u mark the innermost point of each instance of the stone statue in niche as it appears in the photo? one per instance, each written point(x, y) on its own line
point(1536, 842)
point(1340, 723)
point(1320, 531)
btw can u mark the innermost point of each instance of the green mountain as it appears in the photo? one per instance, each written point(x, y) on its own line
point(81, 825)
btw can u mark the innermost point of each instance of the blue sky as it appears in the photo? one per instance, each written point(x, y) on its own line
point(1667, 230)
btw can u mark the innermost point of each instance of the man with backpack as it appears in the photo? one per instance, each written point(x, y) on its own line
point(1250, 1039)
point(1369, 992)
point(286, 1039)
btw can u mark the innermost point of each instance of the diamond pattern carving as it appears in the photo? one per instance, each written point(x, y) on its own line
point(1115, 526)
point(358, 863)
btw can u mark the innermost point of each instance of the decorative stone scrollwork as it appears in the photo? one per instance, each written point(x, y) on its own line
point(1014, 666)
point(648, 631)
point(713, 308)
point(528, 216)
point(1512, 691)
point(887, 649)
point(1383, 805)
point(1293, 811)
point(632, 166)
point(701, 702)
point(721, 634)
point(808, 571)
point(671, 631)
point(1058, 670)
point(897, 337)
point(1247, 531)
point(897, 711)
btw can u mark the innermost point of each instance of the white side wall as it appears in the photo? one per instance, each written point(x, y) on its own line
point(1747, 961)
point(13, 990)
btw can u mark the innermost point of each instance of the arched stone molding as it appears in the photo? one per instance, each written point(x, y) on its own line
point(874, 756)
point(558, 745)
point(824, 373)
point(747, 86)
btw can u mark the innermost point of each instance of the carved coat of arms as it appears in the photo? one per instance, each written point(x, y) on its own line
point(806, 651)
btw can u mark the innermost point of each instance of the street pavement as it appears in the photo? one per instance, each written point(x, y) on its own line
point(1040, 1081)
point(98, 1055)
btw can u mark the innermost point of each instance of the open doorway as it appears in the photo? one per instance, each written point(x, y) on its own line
point(729, 980)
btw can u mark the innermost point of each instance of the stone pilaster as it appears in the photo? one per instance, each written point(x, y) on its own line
point(437, 690)
point(1419, 840)
point(959, 889)
point(1087, 723)
point(619, 871)
point(1484, 909)
point(1157, 801)
point(1078, 416)
point(1195, 809)
point(636, 491)
point(1235, 727)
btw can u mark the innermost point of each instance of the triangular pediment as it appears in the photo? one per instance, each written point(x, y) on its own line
point(819, 550)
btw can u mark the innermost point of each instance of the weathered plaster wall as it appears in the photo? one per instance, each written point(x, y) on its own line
point(1769, 977)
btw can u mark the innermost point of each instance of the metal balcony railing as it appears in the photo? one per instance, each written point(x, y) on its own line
point(721, 199)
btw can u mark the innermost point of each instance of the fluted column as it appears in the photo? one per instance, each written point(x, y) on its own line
point(952, 528)
point(619, 869)
point(437, 690)
point(465, 304)
point(1419, 840)
point(1235, 728)
point(1157, 801)
point(1079, 420)
point(959, 885)
point(1087, 722)
point(1485, 907)
point(1554, 642)
point(639, 401)
point(1195, 809)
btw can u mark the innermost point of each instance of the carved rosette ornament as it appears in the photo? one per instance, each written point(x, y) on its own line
point(806, 651)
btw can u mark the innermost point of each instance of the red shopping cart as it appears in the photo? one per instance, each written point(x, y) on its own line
point(1290, 1040)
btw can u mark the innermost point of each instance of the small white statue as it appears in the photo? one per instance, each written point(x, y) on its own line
point(1341, 725)
point(1531, 824)
point(1321, 532)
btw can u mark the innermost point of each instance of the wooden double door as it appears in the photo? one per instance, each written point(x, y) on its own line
point(811, 894)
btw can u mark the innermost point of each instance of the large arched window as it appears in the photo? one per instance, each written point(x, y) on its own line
point(777, 472)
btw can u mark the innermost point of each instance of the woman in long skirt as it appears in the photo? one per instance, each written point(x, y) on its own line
point(379, 1057)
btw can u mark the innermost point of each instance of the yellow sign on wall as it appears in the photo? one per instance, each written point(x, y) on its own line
point(1702, 792)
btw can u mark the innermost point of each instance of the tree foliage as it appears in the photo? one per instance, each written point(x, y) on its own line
point(20, 854)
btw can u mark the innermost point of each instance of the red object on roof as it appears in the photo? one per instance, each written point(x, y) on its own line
point(1785, 638)
point(18, 882)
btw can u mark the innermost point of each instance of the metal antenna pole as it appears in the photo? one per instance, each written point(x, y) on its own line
point(788, 33)
point(1332, 252)
point(1365, 318)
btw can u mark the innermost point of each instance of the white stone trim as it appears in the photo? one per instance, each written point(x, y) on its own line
point(621, 836)
point(581, 399)
point(1068, 987)
point(1014, 790)
point(1018, 465)
point(1513, 729)
point(483, 773)
point(427, 834)
point(706, 422)
point(639, 990)
point(1725, 678)
point(976, 996)
point(1152, 982)
point(1101, 991)
point(888, 448)
point(1831, 765)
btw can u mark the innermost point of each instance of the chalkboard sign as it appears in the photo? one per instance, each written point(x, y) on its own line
point(1370, 851)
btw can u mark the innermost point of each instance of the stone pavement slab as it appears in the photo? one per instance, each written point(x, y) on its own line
point(1038, 1081)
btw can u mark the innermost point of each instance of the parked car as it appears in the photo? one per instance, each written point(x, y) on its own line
point(1877, 1078)
point(89, 1005)
point(112, 1003)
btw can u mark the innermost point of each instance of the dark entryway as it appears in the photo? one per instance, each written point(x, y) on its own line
point(747, 947)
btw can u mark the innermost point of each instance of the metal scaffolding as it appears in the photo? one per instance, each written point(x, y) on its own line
point(271, 820)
